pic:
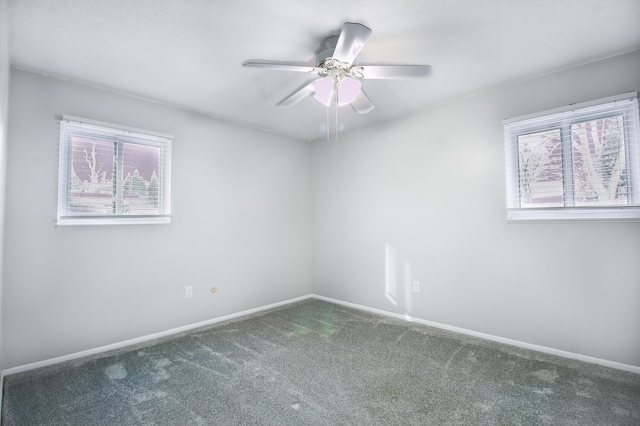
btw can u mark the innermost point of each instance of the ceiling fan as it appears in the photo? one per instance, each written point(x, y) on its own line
point(338, 75)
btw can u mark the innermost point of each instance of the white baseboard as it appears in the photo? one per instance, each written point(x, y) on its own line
point(517, 343)
point(1, 391)
point(143, 339)
point(146, 338)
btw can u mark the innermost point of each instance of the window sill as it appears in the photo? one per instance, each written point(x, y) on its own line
point(601, 214)
point(112, 221)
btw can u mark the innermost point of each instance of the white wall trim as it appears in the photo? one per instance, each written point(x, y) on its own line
point(517, 343)
point(143, 339)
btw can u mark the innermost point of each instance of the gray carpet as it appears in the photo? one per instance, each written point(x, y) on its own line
point(316, 363)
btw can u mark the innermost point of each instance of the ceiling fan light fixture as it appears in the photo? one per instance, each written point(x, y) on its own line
point(348, 89)
point(323, 90)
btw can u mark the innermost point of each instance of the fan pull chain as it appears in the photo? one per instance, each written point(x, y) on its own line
point(328, 122)
point(337, 103)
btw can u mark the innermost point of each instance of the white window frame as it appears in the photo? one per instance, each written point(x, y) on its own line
point(71, 126)
point(562, 118)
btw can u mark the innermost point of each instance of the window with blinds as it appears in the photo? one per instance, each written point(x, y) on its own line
point(581, 162)
point(111, 174)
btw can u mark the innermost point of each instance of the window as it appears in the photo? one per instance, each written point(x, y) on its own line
point(575, 163)
point(112, 174)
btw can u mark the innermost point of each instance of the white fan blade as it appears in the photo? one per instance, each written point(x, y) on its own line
point(351, 42)
point(280, 66)
point(395, 71)
point(297, 96)
point(362, 104)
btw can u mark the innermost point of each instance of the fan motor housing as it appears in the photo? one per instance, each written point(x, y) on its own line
point(326, 49)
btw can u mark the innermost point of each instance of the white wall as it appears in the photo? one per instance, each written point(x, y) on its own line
point(417, 198)
point(241, 222)
point(4, 99)
point(423, 198)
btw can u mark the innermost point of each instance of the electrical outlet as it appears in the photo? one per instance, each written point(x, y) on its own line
point(416, 286)
point(213, 289)
point(189, 292)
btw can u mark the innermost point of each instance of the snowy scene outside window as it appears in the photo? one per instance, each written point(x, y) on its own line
point(579, 163)
point(109, 175)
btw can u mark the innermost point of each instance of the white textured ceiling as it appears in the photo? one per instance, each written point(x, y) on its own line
point(189, 52)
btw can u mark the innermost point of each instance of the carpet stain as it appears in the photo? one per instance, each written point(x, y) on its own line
point(547, 420)
point(483, 406)
point(621, 411)
point(164, 362)
point(116, 372)
point(548, 376)
point(584, 394)
point(161, 375)
point(544, 391)
point(148, 396)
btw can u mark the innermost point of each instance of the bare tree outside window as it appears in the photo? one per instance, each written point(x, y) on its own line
point(141, 166)
point(599, 162)
point(540, 166)
point(92, 170)
point(93, 190)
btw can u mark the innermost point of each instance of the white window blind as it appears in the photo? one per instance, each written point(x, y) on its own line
point(110, 174)
point(574, 163)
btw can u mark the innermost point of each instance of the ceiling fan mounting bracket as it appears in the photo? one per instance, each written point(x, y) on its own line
point(326, 49)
